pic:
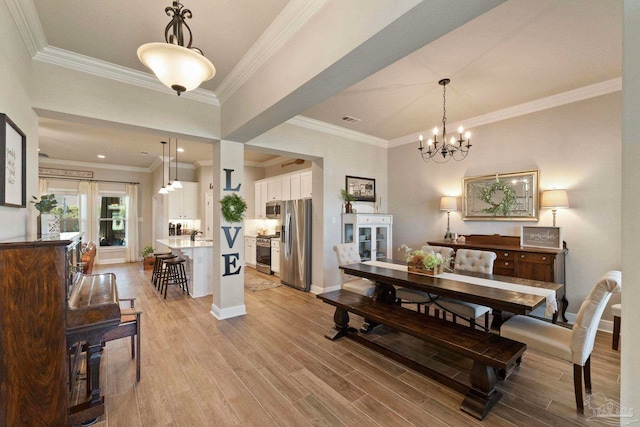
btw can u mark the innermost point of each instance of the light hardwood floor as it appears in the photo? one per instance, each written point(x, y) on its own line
point(273, 367)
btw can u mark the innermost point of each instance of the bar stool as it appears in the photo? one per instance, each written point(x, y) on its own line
point(174, 274)
point(158, 266)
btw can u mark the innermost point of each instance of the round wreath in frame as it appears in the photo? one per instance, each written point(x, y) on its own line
point(233, 207)
point(505, 205)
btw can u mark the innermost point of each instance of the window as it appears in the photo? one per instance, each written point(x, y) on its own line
point(112, 221)
point(67, 210)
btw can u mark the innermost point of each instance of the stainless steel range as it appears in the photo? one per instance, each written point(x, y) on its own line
point(263, 254)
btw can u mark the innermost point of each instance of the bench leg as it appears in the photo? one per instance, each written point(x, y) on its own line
point(482, 396)
point(367, 326)
point(341, 319)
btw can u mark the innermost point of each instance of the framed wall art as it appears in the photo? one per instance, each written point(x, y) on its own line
point(13, 156)
point(501, 197)
point(362, 189)
point(541, 237)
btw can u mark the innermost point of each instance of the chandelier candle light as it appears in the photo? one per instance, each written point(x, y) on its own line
point(454, 149)
point(182, 68)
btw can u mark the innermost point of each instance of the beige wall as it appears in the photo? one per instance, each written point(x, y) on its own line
point(576, 146)
point(15, 102)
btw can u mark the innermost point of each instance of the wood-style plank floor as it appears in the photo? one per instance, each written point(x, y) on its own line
point(273, 367)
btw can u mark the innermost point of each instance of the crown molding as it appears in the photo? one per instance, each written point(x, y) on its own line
point(97, 67)
point(25, 16)
point(580, 94)
point(94, 165)
point(313, 124)
point(247, 163)
point(293, 17)
point(251, 164)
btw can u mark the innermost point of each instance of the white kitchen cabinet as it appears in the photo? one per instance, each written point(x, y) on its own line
point(372, 233)
point(261, 199)
point(183, 202)
point(250, 251)
point(275, 256)
point(291, 186)
point(286, 187)
point(274, 189)
point(305, 185)
point(295, 187)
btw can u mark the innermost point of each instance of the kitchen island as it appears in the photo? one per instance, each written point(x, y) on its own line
point(199, 263)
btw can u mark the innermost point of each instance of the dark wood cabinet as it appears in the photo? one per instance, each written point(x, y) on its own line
point(513, 260)
point(34, 279)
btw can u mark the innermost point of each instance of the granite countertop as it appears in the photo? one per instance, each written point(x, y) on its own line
point(178, 243)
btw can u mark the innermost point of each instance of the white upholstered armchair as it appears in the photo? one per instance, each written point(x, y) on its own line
point(573, 345)
point(475, 261)
point(347, 253)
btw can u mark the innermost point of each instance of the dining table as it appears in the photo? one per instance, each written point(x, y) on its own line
point(503, 294)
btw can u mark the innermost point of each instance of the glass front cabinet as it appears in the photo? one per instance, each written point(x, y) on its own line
point(372, 233)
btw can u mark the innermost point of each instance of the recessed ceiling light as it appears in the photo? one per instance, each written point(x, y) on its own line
point(38, 150)
point(180, 150)
point(101, 156)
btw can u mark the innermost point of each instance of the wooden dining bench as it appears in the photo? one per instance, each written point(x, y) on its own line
point(489, 352)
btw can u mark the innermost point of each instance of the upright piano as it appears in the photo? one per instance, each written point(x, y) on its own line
point(46, 309)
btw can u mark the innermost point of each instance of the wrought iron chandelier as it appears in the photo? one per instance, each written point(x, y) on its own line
point(182, 68)
point(443, 151)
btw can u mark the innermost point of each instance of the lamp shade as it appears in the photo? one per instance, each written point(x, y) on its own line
point(178, 67)
point(554, 199)
point(448, 203)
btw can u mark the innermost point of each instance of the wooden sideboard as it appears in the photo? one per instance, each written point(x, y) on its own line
point(547, 265)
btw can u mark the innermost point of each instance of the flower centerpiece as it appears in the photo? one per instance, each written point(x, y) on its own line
point(423, 262)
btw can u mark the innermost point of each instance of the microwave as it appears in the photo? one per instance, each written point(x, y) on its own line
point(273, 209)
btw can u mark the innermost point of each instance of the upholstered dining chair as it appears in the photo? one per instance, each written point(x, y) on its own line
point(347, 253)
point(475, 261)
point(573, 345)
point(616, 311)
point(419, 298)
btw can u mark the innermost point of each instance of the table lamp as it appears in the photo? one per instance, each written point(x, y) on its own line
point(448, 203)
point(554, 200)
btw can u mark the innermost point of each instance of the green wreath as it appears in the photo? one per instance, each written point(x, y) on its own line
point(505, 205)
point(233, 207)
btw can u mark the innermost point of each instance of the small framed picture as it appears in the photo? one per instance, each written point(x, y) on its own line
point(362, 189)
point(13, 156)
point(541, 237)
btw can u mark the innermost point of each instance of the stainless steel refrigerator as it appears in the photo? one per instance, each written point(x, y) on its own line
point(295, 244)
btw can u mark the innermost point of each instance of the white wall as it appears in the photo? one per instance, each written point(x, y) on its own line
point(15, 102)
point(576, 146)
point(630, 368)
point(335, 157)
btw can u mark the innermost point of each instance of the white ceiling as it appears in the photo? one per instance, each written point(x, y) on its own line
point(520, 51)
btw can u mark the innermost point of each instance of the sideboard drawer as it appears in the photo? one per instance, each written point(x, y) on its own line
point(504, 255)
point(538, 258)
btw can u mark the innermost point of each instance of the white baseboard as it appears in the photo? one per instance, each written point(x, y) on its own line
point(604, 325)
point(227, 313)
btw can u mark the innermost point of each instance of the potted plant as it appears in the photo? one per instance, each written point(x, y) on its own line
point(147, 260)
point(348, 198)
point(421, 262)
point(48, 222)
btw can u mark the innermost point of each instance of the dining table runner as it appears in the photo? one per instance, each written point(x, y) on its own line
point(550, 295)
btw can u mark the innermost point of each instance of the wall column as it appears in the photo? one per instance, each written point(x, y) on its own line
point(228, 238)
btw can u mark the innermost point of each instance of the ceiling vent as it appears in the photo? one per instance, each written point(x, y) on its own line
point(351, 119)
